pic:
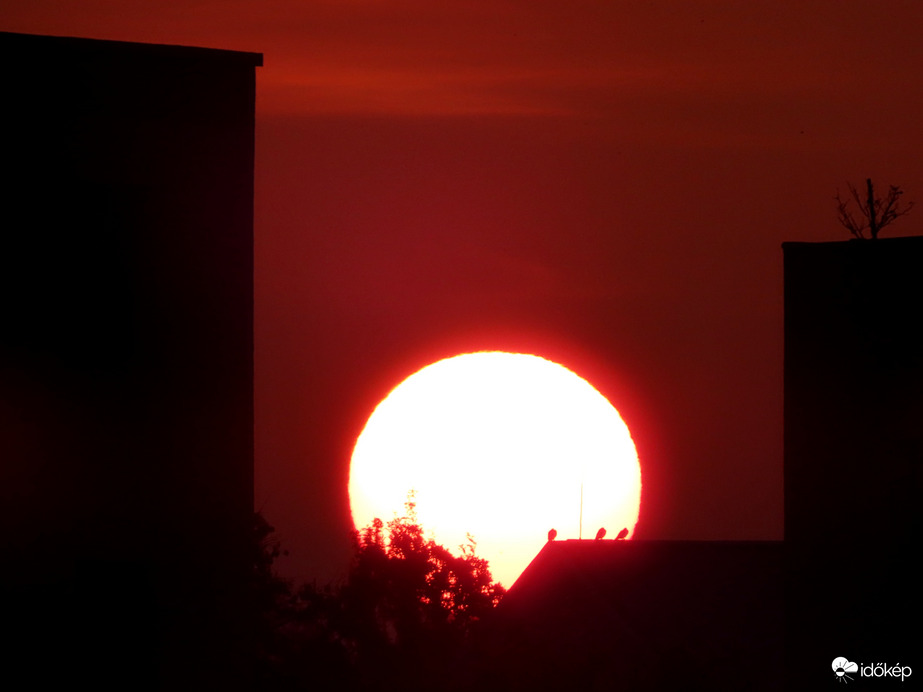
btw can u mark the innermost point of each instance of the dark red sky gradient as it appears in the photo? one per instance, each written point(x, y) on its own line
point(606, 184)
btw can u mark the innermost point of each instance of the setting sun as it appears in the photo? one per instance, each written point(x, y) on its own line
point(503, 446)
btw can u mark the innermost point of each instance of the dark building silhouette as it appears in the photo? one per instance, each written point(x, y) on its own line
point(853, 451)
point(642, 615)
point(126, 299)
point(651, 615)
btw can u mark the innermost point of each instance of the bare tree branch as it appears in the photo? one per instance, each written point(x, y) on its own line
point(875, 213)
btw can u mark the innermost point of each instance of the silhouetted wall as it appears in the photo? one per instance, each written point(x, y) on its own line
point(764, 616)
point(126, 297)
point(641, 615)
point(853, 451)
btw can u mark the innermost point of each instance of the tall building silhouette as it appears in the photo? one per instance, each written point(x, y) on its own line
point(853, 450)
point(126, 295)
point(766, 615)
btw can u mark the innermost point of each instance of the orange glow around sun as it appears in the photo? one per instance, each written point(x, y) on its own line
point(501, 446)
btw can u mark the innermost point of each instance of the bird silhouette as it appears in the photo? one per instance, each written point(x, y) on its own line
point(622, 534)
point(600, 534)
point(552, 534)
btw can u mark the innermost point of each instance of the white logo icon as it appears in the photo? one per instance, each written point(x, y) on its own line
point(841, 667)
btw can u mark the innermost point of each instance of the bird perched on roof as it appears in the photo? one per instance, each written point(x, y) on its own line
point(601, 534)
point(552, 534)
point(622, 534)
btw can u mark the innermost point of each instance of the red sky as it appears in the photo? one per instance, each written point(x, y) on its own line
point(606, 184)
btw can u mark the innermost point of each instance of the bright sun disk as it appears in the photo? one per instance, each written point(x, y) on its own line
point(501, 446)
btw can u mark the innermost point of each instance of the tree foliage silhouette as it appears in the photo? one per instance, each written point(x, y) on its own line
point(415, 587)
point(407, 609)
point(872, 213)
point(294, 636)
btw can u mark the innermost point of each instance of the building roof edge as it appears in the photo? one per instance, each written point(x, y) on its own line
point(32, 42)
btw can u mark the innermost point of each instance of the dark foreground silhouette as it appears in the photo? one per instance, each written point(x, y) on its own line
point(406, 616)
point(126, 364)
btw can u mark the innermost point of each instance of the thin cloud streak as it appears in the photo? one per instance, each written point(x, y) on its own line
point(415, 59)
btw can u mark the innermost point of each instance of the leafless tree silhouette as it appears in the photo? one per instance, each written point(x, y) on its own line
point(873, 213)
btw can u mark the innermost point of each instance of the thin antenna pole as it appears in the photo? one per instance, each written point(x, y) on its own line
point(580, 535)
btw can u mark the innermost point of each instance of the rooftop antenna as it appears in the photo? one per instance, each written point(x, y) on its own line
point(580, 535)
